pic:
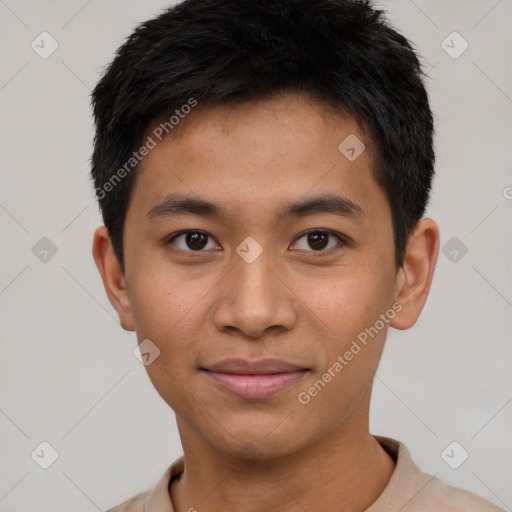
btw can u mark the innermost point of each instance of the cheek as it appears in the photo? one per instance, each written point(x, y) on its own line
point(171, 325)
point(344, 383)
point(346, 301)
point(349, 308)
point(164, 300)
point(168, 311)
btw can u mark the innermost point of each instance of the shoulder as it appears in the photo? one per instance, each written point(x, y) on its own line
point(444, 497)
point(156, 498)
point(411, 490)
point(135, 504)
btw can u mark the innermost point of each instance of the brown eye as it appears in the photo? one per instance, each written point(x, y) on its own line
point(196, 241)
point(318, 241)
point(193, 241)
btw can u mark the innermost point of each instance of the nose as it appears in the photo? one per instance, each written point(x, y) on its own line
point(254, 299)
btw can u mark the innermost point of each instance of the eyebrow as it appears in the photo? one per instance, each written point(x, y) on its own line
point(326, 203)
point(175, 205)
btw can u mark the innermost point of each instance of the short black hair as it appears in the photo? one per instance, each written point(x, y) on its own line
point(210, 52)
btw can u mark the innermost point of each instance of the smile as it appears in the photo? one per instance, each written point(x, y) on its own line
point(254, 380)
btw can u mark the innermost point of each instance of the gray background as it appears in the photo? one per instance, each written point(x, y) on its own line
point(67, 372)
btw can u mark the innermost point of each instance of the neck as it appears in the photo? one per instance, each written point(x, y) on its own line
point(345, 470)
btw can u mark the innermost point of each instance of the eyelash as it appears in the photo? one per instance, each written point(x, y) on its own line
point(341, 240)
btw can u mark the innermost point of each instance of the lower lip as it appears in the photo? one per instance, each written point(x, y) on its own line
point(255, 387)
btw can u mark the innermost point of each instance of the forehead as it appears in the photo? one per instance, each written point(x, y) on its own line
point(248, 155)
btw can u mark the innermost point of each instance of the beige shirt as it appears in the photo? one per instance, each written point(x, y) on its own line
point(409, 490)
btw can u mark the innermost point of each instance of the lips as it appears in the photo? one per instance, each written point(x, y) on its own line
point(254, 380)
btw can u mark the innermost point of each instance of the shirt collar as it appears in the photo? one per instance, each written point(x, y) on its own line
point(159, 500)
point(405, 478)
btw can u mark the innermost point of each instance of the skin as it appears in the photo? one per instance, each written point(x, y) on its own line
point(293, 302)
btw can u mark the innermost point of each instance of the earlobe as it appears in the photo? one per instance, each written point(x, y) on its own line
point(415, 276)
point(112, 276)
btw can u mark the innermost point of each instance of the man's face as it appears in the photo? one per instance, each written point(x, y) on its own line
point(216, 314)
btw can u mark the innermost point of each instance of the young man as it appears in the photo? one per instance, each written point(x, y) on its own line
point(262, 170)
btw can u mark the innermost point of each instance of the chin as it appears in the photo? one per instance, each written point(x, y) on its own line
point(256, 442)
point(258, 450)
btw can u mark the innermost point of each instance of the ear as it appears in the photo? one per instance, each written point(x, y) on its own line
point(112, 276)
point(415, 276)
